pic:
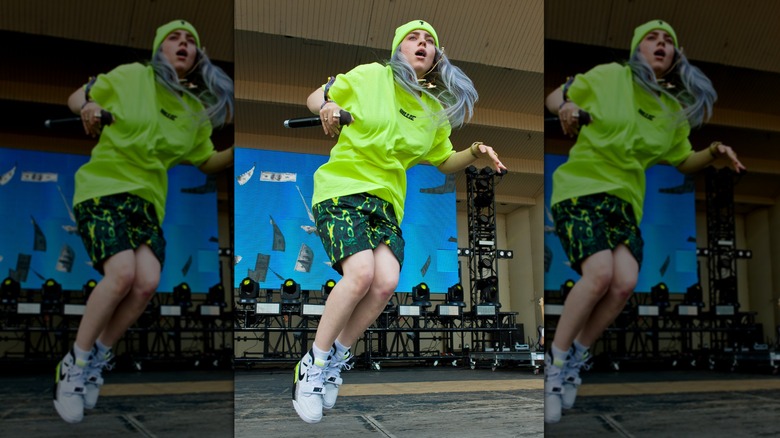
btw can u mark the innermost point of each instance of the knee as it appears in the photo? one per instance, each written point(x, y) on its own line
point(120, 281)
point(384, 288)
point(622, 288)
point(145, 287)
point(599, 280)
point(359, 281)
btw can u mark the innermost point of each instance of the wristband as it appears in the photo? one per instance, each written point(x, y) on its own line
point(471, 148)
point(325, 103)
point(712, 148)
point(85, 103)
point(91, 82)
point(331, 79)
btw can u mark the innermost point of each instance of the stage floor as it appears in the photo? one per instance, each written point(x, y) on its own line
point(673, 404)
point(399, 402)
point(405, 401)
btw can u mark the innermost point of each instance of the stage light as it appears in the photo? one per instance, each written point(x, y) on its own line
point(87, 288)
point(488, 290)
point(453, 306)
point(455, 295)
point(694, 295)
point(487, 171)
point(268, 308)
point(464, 251)
point(566, 288)
point(327, 288)
point(471, 170)
point(182, 295)
point(216, 296)
point(10, 291)
point(291, 292)
point(421, 295)
point(505, 253)
point(215, 301)
point(692, 301)
point(51, 293)
point(248, 291)
point(483, 199)
point(659, 295)
point(486, 263)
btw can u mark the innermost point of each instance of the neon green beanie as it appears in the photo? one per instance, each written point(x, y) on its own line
point(404, 30)
point(641, 31)
point(166, 29)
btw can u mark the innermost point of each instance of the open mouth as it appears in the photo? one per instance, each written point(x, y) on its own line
point(182, 53)
point(660, 53)
point(421, 53)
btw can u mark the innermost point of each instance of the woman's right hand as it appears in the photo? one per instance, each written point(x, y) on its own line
point(329, 115)
point(90, 118)
point(569, 115)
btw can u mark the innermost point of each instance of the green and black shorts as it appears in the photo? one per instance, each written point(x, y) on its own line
point(115, 223)
point(354, 223)
point(586, 225)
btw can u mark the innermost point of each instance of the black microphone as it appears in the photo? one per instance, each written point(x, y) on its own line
point(106, 118)
point(584, 117)
point(345, 118)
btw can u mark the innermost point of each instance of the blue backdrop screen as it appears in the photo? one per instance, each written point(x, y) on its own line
point(276, 238)
point(668, 229)
point(39, 239)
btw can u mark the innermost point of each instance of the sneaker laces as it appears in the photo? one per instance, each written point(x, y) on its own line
point(338, 365)
point(315, 374)
point(574, 365)
point(96, 366)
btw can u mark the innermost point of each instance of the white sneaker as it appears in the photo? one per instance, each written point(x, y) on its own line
point(308, 388)
point(333, 378)
point(553, 391)
point(69, 390)
point(94, 377)
point(571, 378)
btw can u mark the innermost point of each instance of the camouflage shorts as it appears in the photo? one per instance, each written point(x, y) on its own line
point(111, 224)
point(593, 223)
point(354, 223)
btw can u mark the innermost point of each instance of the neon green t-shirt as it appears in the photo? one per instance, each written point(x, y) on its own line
point(152, 132)
point(631, 131)
point(391, 132)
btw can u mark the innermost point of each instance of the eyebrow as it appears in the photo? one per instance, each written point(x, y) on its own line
point(182, 31)
point(424, 33)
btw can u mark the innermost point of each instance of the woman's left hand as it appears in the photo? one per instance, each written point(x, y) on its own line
point(723, 150)
point(493, 155)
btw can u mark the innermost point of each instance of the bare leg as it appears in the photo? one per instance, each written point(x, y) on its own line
point(345, 296)
point(386, 273)
point(108, 293)
point(147, 278)
point(583, 297)
point(624, 278)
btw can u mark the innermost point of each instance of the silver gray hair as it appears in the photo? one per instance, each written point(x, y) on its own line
point(212, 86)
point(454, 90)
point(686, 83)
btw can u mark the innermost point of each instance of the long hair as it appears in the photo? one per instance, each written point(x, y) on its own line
point(684, 82)
point(212, 86)
point(454, 90)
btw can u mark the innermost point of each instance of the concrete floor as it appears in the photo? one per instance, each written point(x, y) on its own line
point(398, 402)
point(149, 404)
point(673, 404)
point(404, 402)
